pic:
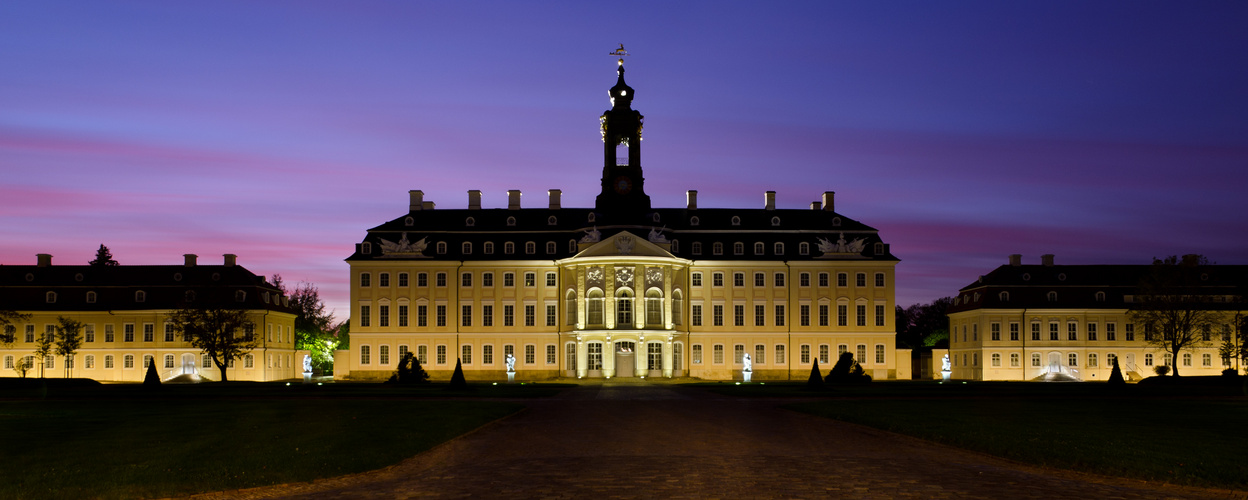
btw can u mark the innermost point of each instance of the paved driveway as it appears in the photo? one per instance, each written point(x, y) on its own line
point(656, 441)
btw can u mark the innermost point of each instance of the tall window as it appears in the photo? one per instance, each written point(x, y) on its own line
point(779, 279)
point(383, 279)
point(696, 313)
point(487, 315)
point(440, 279)
point(995, 331)
point(1091, 331)
point(1035, 331)
point(879, 279)
point(738, 279)
point(738, 354)
point(879, 315)
point(760, 352)
point(383, 315)
point(678, 305)
point(623, 308)
point(366, 280)
point(760, 279)
point(1053, 331)
point(1014, 332)
point(487, 354)
point(842, 279)
point(466, 315)
point(569, 308)
point(780, 354)
point(366, 313)
point(594, 360)
point(717, 352)
point(696, 353)
point(595, 305)
point(402, 315)
point(804, 354)
point(654, 356)
point(738, 315)
point(842, 315)
point(862, 314)
point(466, 279)
point(466, 354)
point(402, 279)
point(1072, 331)
point(383, 354)
point(780, 315)
point(803, 314)
point(530, 354)
point(717, 279)
point(717, 315)
point(654, 307)
point(440, 314)
point(366, 354)
point(760, 315)
point(823, 315)
point(823, 353)
point(530, 315)
point(879, 354)
point(441, 353)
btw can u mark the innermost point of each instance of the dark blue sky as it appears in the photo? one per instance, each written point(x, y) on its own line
point(1103, 132)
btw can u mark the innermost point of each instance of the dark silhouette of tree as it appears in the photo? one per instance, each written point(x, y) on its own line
point(223, 334)
point(1115, 377)
point(314, 328)
point(103, 258)
point(44, 345)
point(846, 370)
point(68, 340)
point(151, 379)
point(923, 325)
point(410, 371)
point(815, 381)
point(1171, 307)
point(457, 379)
point(8, 327)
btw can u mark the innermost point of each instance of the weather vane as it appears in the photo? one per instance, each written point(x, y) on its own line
point(620, 52)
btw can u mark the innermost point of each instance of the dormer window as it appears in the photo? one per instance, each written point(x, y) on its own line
point(466, 248)
point(90, 297)
point(511, 221)
point(240, 296)
point(592, 218)
point(571, 246)
point(1004, 296)
point(803, 248)
point(488, 247)
point(366, 248)
point(736, 221)
point(697, 248)
point(1052, 297)
point(879, 249)
point(717, 248)
point(779, 248)
point(509, 248)
point(470, 222)
point(550, 247)
point(441, 247)
point(140, 296)
point(51, 297)
point(1100, 296)
point(675, 246)
point(78, 277)
point(530, 248)
point(758, 248)
point(738, 248)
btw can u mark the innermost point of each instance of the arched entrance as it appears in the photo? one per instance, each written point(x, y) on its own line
point(188, 364)
point(625, 356)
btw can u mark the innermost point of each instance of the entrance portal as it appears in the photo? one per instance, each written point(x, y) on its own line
point(624, 356)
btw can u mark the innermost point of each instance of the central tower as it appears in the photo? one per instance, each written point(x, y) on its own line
point(622, 183)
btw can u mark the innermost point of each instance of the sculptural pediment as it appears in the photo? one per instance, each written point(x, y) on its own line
point(403, 248)
point(841, 248)
point(624, 243)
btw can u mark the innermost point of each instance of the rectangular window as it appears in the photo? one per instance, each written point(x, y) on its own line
point(530, 354)
point(780, 354)
point(842, 279)
point(696, 353)
point(366, 355)
point(487, 315)
point(466, 318)
point(738, 315)
point(779, 279)
point(402, 279)
point(487, 279)
point(403, 315)
point(1014, 332)
point(168, 332)
point(383, 315)
point(823, 353)
point(509, 315)
point(466, 355)
point(1111, 331)
point(440, 315)
point(803, 314)
point(717, 279)
point(550, 279)
point(530, 315)
point(760, 279)
point(860, 353)
point(422, 354)
point(738, 279)
point(760, 315)
point(803, 279)
point(441, 352)
point(383, 355)
point(109, 333)
point(696, 313)
point(550, 354)
point(550, 315)
point(823, 279)
point(842, 315)
point(1091, 331)
point(422, 279)
point(530, 279)
point(1053, 334)
point(804, 353)
point(1128, 332)
point(366, 280)
point(1035, 331)
point(366, 314)
point(738, 353)
point(862, 315)
point(402, 351)
point(128, 332)
point(780, 315)
point(487, 354)
point(696, 279)
point(1072, 331)
point(88, 333)
point(149, 332)
point(760, 352)
point(879, 279)
point(995, 331)
point(440, 279)
point(823, 315)
point(383, 279)
point(879, 354)
point(879, 315)
point(465, 279)
point(718, 354)
point(717, 315)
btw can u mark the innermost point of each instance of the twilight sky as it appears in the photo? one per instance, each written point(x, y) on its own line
point(1102, 132)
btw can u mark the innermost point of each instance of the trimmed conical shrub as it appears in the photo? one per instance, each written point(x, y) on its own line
point(1115, 377)
point(457, 379)
point(815, 382)
point(152, 379)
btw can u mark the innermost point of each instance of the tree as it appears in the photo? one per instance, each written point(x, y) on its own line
point(151, 378)
point(457, 379)
point(923, 325)
point(21, 366)
point(1115, 377)
point(846, 370)
point(1170, 306)
point(43, 348)
point(224, 335)
point(314, 330)
point(410, 371)
point(815, 382)
point(8, 327)
point(103, 258)
point(68, 340)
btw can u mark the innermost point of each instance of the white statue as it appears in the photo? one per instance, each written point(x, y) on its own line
point(511, 363)
point(656, 235)
point(591, 236)
point(749, 365)
point(842, 246)
point(307, 363)
point(944, 364)
point(403, 246)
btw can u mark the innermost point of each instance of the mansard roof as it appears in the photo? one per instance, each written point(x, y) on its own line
point(25, 288)
point(1078, 286)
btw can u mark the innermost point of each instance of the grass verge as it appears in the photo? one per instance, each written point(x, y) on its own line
point(100, 447)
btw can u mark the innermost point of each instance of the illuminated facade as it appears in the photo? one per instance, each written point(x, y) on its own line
point(1037, 322)
point(621, 289)
point(125, 310)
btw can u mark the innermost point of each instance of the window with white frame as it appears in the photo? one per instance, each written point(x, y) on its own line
point(717, 354)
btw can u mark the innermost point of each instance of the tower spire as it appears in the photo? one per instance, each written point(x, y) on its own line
point(621, 136)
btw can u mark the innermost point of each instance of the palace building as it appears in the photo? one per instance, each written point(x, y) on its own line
point(1055, 322)
point(125, 315)
point(621, 289)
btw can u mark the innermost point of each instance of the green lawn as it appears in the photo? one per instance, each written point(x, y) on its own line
point(117, 442)
point(1160, 435)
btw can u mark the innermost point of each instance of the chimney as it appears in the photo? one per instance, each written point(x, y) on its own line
point(513, 199)
point(692, 198)
point(474, 199)
point(814, 205)
point(416, 200)
point(190, 259)
point(1016, 259)
point(44, 259)
point(1047, 259)
point(230, 260)
point(769, 200)
point(554, 198)
point(426, 205)
point(828, 201)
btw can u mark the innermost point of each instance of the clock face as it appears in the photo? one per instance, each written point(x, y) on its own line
point(623, 185)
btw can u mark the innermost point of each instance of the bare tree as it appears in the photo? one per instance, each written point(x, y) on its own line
point(223, 334)
point(68, 340)
point(1171, 307)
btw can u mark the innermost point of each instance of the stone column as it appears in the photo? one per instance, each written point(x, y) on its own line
point(608, 306)
point(667, 297)
point(582, 359)
point(580, 299)
point(608, 358)
point(667, 359)
point(641, 358)
point(639, 296)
